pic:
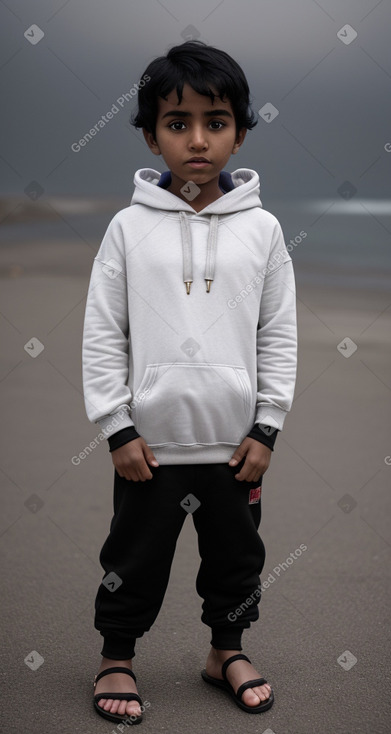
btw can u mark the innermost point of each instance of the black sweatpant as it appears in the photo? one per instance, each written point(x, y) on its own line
point(138, 552)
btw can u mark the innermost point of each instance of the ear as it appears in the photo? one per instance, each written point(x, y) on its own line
point(151, 142)
point(239, 140)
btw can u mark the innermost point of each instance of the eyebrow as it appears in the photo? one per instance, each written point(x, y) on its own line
point(209, 113)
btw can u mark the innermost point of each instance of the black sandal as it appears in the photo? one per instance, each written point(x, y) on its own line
point(225, 684)
point(121, 696)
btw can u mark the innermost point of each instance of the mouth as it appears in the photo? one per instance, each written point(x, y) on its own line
point(198, 162)
point(198, 159)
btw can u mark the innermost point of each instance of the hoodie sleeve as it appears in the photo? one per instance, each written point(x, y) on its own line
point(276, 336)
point(105, 349)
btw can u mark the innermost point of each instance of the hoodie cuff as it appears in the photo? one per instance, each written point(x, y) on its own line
point(122, 437)
point(260, 435)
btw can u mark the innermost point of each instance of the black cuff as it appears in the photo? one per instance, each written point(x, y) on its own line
point(121, 437)
point(259, 435)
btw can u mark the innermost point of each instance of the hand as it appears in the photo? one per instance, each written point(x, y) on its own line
point(130, 460)
point(257, 459)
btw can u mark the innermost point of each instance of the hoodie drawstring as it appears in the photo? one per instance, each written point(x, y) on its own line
point(187, 251)
point(211, 251)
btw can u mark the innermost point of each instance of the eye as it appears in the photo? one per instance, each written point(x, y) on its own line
point(178, 122)
point(217, 122)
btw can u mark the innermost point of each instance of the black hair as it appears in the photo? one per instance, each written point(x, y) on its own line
point(197, 64)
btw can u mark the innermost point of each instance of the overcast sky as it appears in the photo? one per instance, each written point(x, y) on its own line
point(332, 92)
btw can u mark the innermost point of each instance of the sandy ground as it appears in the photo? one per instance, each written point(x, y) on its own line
point(322, 639)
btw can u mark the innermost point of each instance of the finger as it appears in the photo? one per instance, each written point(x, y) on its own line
point(143, 471)
point(236, 458)
point(242, 477)
point(248, 475)
point(130, 474)
point(136, 472)
point(150, 458)
point(148, 476)
point(142, 476)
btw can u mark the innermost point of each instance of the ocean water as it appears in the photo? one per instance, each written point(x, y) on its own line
point(337, 243)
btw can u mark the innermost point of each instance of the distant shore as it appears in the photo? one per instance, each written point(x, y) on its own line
point(13, 209)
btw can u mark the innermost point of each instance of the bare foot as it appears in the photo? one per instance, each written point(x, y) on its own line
point(238, 672)
point(118, 683)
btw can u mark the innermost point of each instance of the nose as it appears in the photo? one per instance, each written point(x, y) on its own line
point(197, 138)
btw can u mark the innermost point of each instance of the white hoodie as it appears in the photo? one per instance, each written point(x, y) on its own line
point(191, 371)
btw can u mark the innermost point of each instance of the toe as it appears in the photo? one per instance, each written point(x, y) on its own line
point(105, 703)
point(133, 709)
point(256, 696)
point(122, 708)
point(113, 708)
point(250, 698)
point(263, 692)
point(130, 708)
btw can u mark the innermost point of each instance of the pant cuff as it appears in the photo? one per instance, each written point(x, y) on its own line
point(118, 648)
point(227, 638)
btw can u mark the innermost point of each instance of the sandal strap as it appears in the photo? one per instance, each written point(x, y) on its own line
point(115, 669)
point(250, 684)
point(119, 697)
point(231, 660)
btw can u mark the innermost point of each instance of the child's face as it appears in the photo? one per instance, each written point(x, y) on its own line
point(190, 130)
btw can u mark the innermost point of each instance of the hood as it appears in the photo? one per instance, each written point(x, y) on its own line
point(241, 191)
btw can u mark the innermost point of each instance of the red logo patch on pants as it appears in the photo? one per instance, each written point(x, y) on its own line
point(255, 495)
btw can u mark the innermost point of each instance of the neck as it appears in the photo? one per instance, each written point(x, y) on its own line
point(209, 192)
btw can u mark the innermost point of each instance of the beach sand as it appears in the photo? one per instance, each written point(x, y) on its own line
point(327, 488)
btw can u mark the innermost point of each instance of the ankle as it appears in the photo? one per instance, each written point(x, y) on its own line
point(109, 662)
point(223, 654)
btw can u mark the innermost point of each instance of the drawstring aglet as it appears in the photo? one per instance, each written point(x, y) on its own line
point(188, 284)
point(208, 282)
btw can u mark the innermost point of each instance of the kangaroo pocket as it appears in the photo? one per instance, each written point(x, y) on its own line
point(186, 403)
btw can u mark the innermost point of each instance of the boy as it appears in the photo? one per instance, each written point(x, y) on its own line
point(189, 367)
